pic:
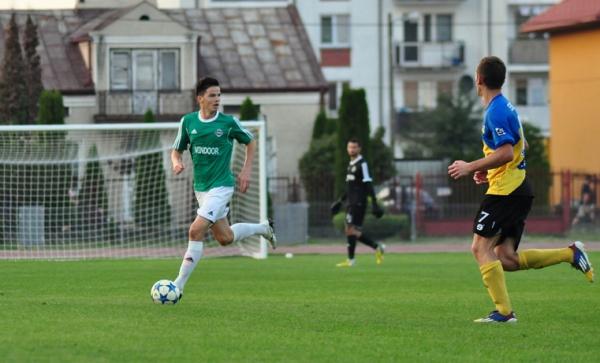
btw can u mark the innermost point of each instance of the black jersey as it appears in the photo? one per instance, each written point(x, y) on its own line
point(357, 181)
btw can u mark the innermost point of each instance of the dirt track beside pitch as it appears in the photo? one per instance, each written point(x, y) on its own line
point(410, 248)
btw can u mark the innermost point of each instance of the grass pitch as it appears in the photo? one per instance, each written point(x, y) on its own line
point(414, 307)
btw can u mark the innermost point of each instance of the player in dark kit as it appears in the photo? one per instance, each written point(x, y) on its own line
point(359, 186)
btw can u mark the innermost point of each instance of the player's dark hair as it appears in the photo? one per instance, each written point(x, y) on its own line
point(204, 84)
point(492, 72)
point(354, 140)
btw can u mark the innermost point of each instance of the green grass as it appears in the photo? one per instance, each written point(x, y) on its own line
point(573, 235)
point(412, 308)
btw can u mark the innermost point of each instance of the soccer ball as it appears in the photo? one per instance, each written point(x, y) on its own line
point(165, 292)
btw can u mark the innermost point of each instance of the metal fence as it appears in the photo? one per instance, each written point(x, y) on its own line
point(441, 205)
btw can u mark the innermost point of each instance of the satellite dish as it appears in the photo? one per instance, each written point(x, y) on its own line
point(466, 84)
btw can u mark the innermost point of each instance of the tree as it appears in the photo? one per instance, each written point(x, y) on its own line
point(323, 125)
point(382, 158)
point(13, 90)
point(33, 69)
point(248, 110)
point(315, 165)
point(353, 122)
point(52, 108)
point(537, 163)
point(452, 130)
point(152, 207)
point(315, 169)
point(51, 112)
point(535, 154)
point(93, 199)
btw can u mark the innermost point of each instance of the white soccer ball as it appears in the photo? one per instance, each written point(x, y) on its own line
point(165, 292)
point(289, 255)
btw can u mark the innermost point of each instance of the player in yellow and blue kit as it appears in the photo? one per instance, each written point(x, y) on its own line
point(500, 221)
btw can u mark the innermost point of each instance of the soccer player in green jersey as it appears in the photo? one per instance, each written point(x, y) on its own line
point(500, 221)
point(209, 136)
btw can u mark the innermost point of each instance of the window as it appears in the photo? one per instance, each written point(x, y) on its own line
point(443, 27)
point(427, 27)
point(410, 52)
point(537, 91)
point(410, 30)
point(524, 13)
point(144, 69)
point(411, 94)
point(326, 30)
point(169, 75)
point(120, 70)
point(521, 92)
point(335, 29)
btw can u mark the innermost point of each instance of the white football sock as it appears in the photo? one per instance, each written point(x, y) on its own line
point(190, 260)
point(243, 230)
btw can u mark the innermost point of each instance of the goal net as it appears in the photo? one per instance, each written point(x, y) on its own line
point(107, 191)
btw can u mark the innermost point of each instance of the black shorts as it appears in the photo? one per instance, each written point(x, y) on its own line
point(355, 214)
point(502, 215)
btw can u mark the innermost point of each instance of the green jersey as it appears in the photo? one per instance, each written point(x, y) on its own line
point(211, 143)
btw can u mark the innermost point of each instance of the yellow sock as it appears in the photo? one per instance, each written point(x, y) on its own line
point(493, 278)
point(543, 258)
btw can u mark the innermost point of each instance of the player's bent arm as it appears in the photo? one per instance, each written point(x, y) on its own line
point(244, 176)
point(500, 156)
point(177, 161)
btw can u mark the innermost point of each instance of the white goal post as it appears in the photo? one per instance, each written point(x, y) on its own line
point(107, 191)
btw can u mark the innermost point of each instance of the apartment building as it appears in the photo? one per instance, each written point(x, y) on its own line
point(438, 44)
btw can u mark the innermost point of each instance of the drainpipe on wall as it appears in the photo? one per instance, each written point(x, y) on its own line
point(489, 27)
point(380, 66)
point(390, 70)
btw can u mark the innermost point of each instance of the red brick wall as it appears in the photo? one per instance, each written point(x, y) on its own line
point(335, 57)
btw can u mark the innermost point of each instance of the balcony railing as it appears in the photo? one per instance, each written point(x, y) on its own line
point(528, 51)
point(133, 104)
point(414, 55)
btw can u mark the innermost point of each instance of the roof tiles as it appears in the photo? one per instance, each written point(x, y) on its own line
point(247, 49)
point(567, 15)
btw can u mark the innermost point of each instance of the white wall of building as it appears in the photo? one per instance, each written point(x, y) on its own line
point(368, 42)
point(37, 4)
point(289, 118)
point(81, 109)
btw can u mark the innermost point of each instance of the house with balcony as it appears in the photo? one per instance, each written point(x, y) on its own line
point(112, 63)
